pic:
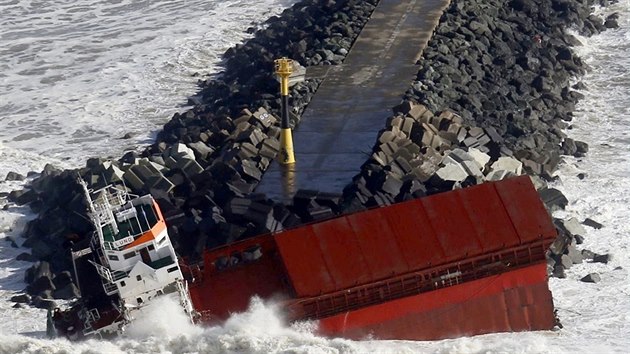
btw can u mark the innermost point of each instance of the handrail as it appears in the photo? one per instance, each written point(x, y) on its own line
point(419, 281)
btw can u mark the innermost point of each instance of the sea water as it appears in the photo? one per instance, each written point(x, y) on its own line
point(78, 75)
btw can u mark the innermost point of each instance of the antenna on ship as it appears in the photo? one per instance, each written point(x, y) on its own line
point(288, 73)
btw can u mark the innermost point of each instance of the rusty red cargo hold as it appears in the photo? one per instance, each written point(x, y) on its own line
point(465, 262)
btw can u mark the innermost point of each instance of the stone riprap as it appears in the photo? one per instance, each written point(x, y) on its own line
point(490, 100)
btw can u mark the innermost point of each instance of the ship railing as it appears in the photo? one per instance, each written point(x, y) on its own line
point(118, 274)
point(98, 250)
point(184, 297)
point(420, 281)
point(106, 278)
point(91, 316)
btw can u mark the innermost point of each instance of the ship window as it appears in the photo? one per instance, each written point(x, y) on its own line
point(172, 269)
point(151, 247)
point(138, 277)
point(122, 283)
point(129, 255)
point(139, 300)
point(112, 257)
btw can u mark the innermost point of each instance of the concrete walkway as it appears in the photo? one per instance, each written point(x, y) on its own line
point(340, 125)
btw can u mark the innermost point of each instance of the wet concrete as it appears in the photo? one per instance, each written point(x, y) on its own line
point(339, 127)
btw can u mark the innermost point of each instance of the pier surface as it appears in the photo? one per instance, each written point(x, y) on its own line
point(340, 125)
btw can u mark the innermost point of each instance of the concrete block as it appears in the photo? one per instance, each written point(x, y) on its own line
point(508, 164)
point(403, 153)
point(330, 200)
point(133, 181)
point(396, 122)
point(602, 258)
point(427, 138)
point(426, 116)
point(574, 254)
point(274, 132)
point(573, 227)
point(455, 128)
point(265, 118)
point(553, 198)
point(190, 167)
point(591, 278)
point(588, 254)
point(403, 164)
point(407, 126)
point(320, 213)
point(386, 137)
point(163, 184)
point(475, 132)
point(439, 144)
point(240, 187)
point(241, 119)
point(158, 159)
point(452, 172)
point(269, 148)
point(494, 135)
point(472, 169)
point(263, 164)
point(483, 139)
point(403, 108)
point(456, 156)
point(180, 150)
point(451, 137)
point(481, 158)
point(532, 167)
point(391, 185)
point(154, 167)
point(413, 149)
point(416, 112)
point(381, 199)
point(247, 151)
point(430, 127)
point(170, 162)
point(471, 141)
point(201, 149)
point(249, 169)
point(143, 172)
point(592, 223)
point(566, 261)
point(388, 148)
point(461, 135)
point(113, 174)
point(498, 175)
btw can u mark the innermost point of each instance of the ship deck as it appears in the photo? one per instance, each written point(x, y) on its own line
point(143, 221)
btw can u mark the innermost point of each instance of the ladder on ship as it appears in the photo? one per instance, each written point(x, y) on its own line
point(106, 277)
point(91, 316)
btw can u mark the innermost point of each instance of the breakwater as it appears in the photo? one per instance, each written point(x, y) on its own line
point(206, 163)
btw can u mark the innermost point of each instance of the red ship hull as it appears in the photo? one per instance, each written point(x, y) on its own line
point(465, 262)
point(510, 302)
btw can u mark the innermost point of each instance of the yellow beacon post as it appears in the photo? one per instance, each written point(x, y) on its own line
point(284, 69)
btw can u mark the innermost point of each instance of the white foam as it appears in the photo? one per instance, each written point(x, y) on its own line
point(78, 75)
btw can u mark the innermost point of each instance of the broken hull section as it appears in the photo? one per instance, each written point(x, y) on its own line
point(466, 262)
point(515, 301)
